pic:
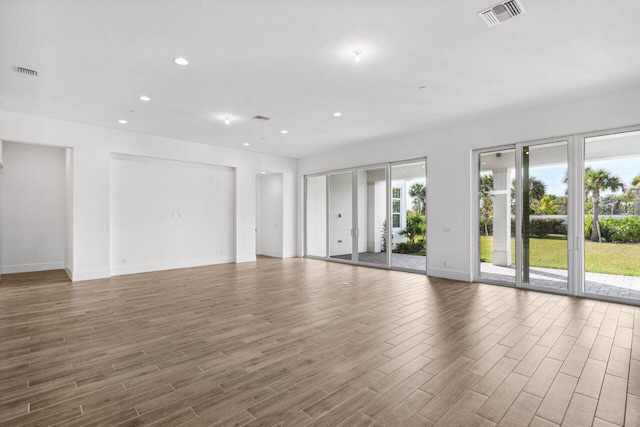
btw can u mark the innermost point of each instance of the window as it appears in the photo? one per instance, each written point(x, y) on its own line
point(395, 213)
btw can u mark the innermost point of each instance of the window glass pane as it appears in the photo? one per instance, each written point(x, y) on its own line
point(372, 216)
point(409, 237)
point(612, 215)
point(497, 219)
point(544, 215)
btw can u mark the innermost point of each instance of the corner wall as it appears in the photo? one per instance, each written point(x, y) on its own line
point(449, 161)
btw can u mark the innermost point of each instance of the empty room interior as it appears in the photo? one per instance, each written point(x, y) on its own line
point(308, 213)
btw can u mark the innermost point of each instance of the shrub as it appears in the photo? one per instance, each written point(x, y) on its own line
point(620, 230)
point(409, 247)
point(544, 227)
point(615, 230)
point(537, 227)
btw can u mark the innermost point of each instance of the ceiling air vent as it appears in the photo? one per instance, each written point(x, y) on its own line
point(259, 117)
point(501, 12)
point(26, 71)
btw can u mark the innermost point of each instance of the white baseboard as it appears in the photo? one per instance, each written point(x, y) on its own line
point(145, 268)
point(79, 276)
point(289, 255)
point(249, 258)
point(69, 271)
point(273, 254)
point(463, 276)
point(27, 268)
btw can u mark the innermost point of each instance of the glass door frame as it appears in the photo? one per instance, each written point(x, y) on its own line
point(390, 208)
point(475, 218)
point(571, 222)
point(580, 264)
point(354, 191)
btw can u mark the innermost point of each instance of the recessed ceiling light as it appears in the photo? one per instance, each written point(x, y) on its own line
point(246, 144)
point(227, 120)
point(144, 98)
point(263, 172)
point(337, 114)
point(122, 121)
point(357, 55)
point(284, 131)
point(180, 61)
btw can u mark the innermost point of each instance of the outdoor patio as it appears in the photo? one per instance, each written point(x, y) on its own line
point(595, 283)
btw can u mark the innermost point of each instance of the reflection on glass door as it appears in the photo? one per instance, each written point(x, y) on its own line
point(341, 216)
point(496, 204)
point(372, 216)
point(612, 215)
point(545, 216)
point(408, 216)
point(316, 216)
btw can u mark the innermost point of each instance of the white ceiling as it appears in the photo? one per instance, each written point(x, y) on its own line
point(292, 60)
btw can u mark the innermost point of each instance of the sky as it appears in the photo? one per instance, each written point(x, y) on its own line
point(625, 169)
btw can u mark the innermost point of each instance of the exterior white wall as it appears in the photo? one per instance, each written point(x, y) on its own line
point(167, 214)
point(33, 208)
point(92, 147)
point(270, 215)
point(449, 160)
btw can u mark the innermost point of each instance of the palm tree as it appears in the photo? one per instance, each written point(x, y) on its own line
point(419, 194)
point(595, 181)
point(636, 181)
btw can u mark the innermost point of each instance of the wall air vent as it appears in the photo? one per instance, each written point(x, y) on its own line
point(26, 71)
point(501, 12)
point(259, 117)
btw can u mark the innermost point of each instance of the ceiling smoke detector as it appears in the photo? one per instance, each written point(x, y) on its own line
point(26, 71)
point(501, 12)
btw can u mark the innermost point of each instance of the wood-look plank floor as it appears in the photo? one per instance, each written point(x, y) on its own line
point(302, 342)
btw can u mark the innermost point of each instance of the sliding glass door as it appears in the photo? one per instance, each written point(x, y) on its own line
point(544, 216)
point(373, 216)
point(562, 215)
point(409, 216)
point(523, 217)
point(496, 213)
point(611, 212)
point(341, 229)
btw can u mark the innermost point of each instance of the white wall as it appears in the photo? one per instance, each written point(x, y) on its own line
point(168, 214)
point(92, 147)
point(449, 152)
point(68, 211)
point(270, 215)
point(317, 215)
point(33, 208)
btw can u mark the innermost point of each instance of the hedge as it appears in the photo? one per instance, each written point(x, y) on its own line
point(615, 230)
point(537, 227)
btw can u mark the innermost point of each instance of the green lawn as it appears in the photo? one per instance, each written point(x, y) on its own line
point(611, 258)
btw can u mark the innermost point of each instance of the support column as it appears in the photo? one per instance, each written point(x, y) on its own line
point(501, 217)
